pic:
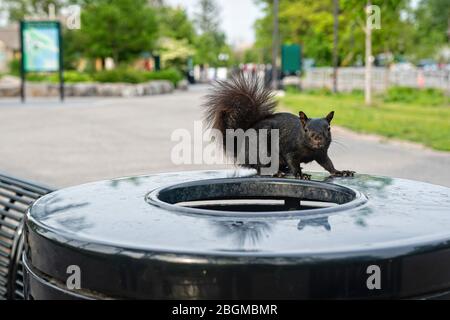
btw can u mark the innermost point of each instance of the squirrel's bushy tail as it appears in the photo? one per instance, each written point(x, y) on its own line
point(238, 103)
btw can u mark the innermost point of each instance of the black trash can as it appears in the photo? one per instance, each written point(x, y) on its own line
point(228, 235)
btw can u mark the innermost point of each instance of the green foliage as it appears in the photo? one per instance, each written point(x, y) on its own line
point(211, 42)
point(128, 75)
point(292, 89)
point(252, 55)
point(122, 74)
point(329, 92)
point(175, 53)
point(425, 124)
point(310, 23)
point(431, 26)
point(14, 67)
point(75, 77)
point(69, 77)
point(121, 29)
point(209, 46)
point(428, 96)
point(319, 92)
point(176, 37)
point(174, 23)
point(207, 18)
point(72, 49)
point(173, 75)
point(38, 77)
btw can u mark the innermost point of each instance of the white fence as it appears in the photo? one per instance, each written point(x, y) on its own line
point(353, 78)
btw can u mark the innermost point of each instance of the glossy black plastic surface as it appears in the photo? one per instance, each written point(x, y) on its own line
point(128, 246)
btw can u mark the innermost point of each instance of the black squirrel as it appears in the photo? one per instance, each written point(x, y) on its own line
point(242, 102)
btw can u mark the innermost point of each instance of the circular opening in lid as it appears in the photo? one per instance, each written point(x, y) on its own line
point(250, 197)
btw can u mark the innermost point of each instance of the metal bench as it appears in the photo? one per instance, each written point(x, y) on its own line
point(16, 195)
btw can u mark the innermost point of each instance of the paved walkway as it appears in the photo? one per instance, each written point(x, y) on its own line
point(87, 139)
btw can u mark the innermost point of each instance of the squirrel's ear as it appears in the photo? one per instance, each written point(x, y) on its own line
point(330, 116)
point(303, 117)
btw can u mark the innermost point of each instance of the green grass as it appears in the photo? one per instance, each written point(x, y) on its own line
point(428, 124)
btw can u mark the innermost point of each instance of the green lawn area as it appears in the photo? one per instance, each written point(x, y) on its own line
point(422, 117)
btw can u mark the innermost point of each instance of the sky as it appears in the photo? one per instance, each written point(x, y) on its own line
point(236, 16)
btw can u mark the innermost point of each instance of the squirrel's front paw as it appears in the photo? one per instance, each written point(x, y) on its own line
point(343, 173)
point(303, 176)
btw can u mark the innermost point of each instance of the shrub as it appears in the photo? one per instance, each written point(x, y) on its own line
point(135, 76)
point(74, 77)
point(119, 75)
point(38, 77)
point(69, 77)
point(172, 75)
point(14, 67)
point(428, 96)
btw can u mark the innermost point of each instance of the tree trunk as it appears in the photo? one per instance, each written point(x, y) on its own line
point(335, 45)
point(275, 46)
point(368, 70)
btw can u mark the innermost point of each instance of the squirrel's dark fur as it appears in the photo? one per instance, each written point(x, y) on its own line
point(243, 103)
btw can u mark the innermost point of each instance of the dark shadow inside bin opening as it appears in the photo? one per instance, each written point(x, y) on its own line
point(261, 196)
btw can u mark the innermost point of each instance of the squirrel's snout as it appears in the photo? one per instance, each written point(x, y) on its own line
point(317, 140)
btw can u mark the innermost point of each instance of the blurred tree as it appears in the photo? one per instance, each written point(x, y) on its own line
point(433, 24)
point(175, 23)
point(211, 41)
point(71, 49)
point(252, 55)
point(207, 18)
point(177, 37)
point(310, 23)
point(394, 37)
point(175, 53)
point(121, 29)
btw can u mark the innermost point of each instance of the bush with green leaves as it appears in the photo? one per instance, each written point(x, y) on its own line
point(126, 75)
point(14, 67)
point(171, 75)
point(121, 74)
point(75, 77)
point(129, 75)
point(69, 77)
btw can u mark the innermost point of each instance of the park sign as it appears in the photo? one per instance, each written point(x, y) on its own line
point(41, 49)
point(291, 59)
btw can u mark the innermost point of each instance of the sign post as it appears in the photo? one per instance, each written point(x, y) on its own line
point(41, 50)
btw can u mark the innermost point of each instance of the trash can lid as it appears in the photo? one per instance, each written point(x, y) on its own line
point(138, 236)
